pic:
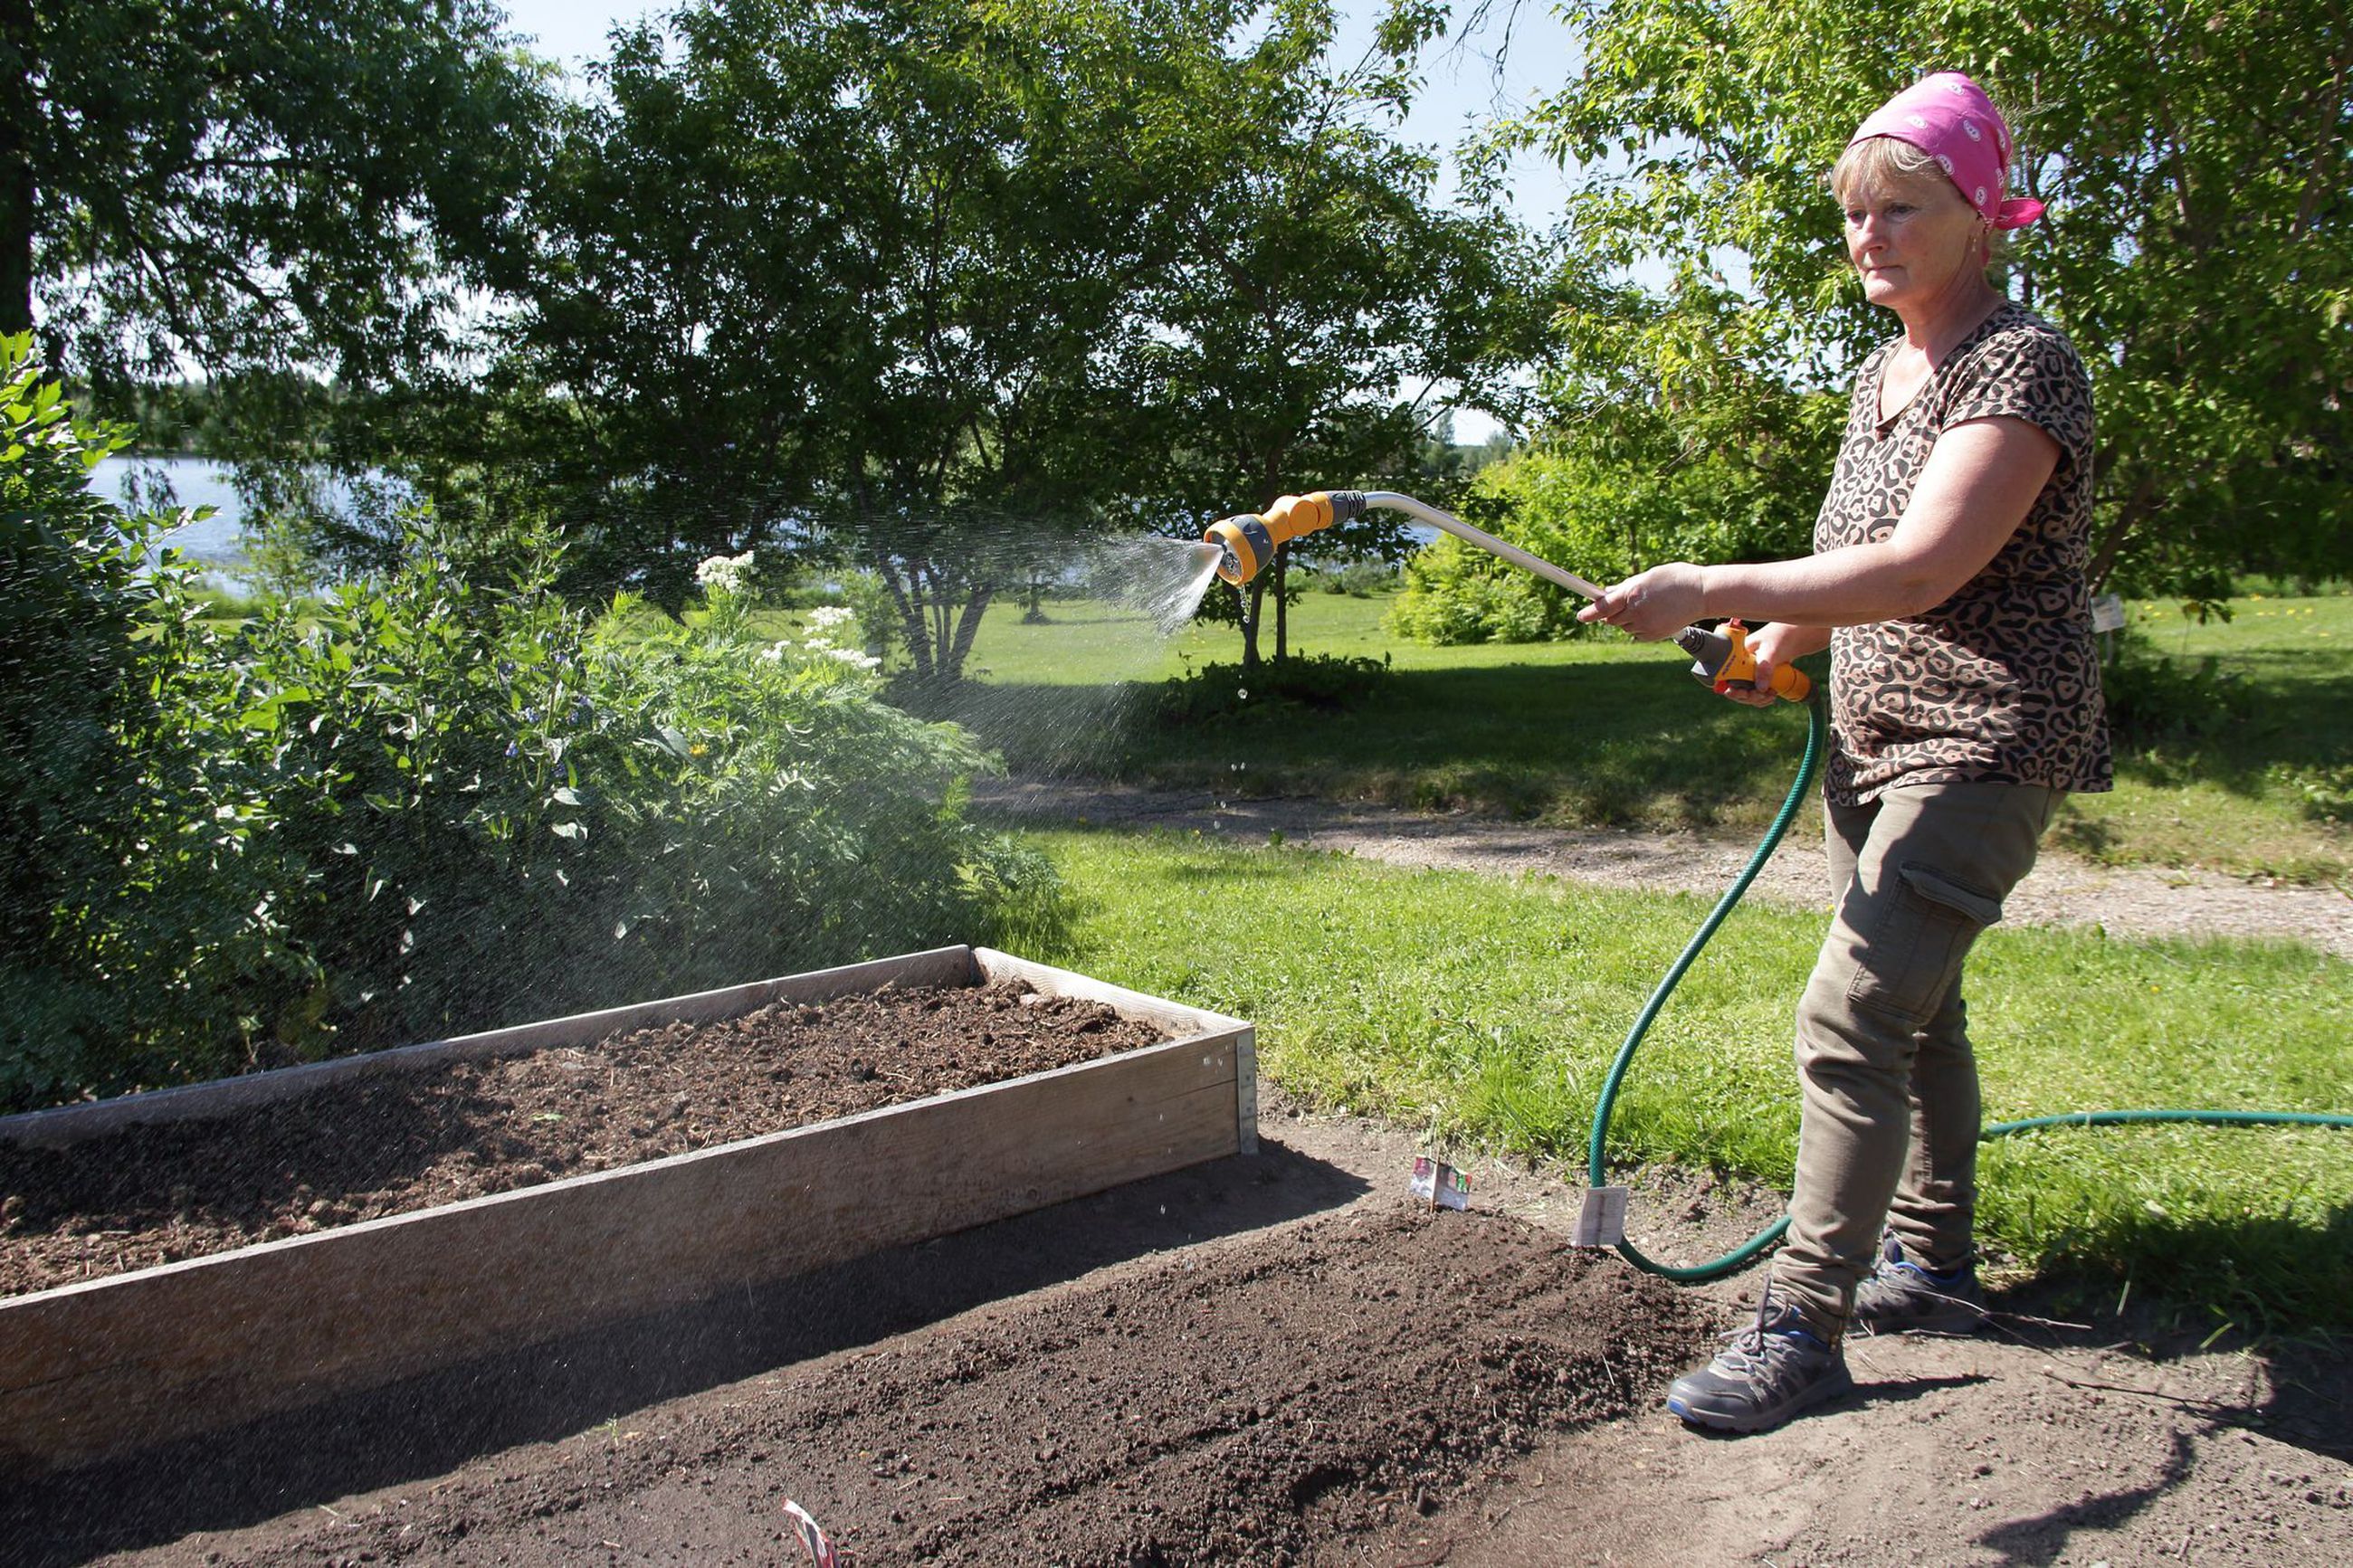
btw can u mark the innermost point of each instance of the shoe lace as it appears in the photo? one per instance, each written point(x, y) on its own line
point(1747, 1349)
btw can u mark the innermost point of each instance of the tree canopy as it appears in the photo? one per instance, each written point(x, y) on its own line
point(307, 183)
point(952, 281)
point(2196, 159)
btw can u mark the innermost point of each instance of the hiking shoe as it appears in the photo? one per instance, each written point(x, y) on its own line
point(1766, 1374)
point(1903, 1296)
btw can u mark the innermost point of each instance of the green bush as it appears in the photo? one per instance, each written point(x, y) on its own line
point(1457, 592)
point(1630, 487)
point(1329, 683)
point(511, 814)
point(431, 803)
point(142, 935)
point(2155, 699)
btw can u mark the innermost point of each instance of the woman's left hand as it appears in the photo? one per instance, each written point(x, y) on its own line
point(1652, 604)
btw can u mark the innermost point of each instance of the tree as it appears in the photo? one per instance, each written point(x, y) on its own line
point(305, 182)
point(1319, 278)
point(870, 265)
point(2200, 248)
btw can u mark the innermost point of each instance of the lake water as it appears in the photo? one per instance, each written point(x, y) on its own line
point(195, 482)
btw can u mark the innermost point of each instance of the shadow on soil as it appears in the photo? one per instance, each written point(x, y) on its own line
point(2298, 1389)
point(425, 1425)
point(2045, 1538)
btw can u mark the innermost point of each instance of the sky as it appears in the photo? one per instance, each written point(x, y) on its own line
point(1462, 87)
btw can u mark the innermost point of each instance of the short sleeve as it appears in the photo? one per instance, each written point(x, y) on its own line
point(2028, 372)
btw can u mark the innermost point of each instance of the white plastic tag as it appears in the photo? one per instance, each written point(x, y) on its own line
point(1601, 1222)
point(1439, 1186)
point(813, 1539)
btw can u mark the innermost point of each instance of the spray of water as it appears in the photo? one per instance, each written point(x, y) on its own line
point(1161, 579)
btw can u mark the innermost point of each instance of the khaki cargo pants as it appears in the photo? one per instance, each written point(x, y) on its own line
point(1885, 1065)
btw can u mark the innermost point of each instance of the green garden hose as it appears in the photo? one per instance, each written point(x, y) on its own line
point(1597, 1169)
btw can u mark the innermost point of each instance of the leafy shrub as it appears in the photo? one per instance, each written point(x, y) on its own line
point(1326, 682)
point(1630, 487)
point(1457, 592)
point(435, 802)
point(2155, 699)
point(140, 928)
point(510, 813)
point(1356, 579)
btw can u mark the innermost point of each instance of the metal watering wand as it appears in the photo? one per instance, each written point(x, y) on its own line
point(1721, 657)
point(1247, 542)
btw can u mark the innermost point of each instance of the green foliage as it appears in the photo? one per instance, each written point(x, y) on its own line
point(142, 926)
point(427, 805)
point(1269, 694)
point(507, 814)
point(312, 182)
point(2198, 252)
point(1625, 490)
point(1357, 579)
point(2155, 700)
point(1456, 593)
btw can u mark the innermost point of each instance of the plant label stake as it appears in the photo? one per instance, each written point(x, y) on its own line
point(1601, 1222)
point(813, 1539)
point(1442, 1186)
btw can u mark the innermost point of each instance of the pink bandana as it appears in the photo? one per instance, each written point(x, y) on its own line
point(1949, 117)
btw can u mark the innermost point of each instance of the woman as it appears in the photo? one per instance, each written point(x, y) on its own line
point(1947, 583)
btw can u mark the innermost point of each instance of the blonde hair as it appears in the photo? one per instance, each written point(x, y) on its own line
point(1876, 163)
point(1880, 161)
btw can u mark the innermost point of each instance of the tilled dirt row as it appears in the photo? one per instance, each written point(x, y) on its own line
point(388, 1145)
point(1263, 1400)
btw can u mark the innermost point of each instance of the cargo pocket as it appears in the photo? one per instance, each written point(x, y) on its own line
point(1925, 932)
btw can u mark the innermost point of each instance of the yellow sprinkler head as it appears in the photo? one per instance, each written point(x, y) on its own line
point(1244, 546)
point(1248, 540)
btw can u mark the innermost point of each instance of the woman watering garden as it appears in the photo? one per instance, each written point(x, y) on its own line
point(1947, 581)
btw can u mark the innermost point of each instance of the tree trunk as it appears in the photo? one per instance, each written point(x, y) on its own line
point(17, 186)
point(1253, 600)
point(1281, 603)
point(913, 622)
point(2135, 510)
point(968, 627)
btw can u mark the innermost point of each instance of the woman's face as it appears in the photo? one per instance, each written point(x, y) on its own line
point(1914, 241)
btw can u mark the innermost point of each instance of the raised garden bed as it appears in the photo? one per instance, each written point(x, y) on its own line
point(101, 1365)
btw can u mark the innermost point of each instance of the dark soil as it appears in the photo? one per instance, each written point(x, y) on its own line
point(151, 1195)
point(1262, 1404)
point(1260, 1360)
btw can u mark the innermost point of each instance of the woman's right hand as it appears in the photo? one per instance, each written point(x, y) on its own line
point(1771, 646)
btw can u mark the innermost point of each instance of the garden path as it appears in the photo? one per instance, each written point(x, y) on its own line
point(2062, 889)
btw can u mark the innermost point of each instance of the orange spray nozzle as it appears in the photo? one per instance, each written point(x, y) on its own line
point(1721, 659)
point(1250, 538)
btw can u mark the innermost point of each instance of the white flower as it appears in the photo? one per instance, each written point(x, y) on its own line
point(775, 652)
point(851, 656)
point(825, 617)
point(725, 573)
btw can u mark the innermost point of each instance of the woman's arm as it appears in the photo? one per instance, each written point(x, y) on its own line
point(1979, 482)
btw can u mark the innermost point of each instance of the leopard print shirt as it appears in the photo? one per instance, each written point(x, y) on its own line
point(2000, 683)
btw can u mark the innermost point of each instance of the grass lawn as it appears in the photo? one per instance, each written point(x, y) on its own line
point(1486, 1011)
point(1603, 731)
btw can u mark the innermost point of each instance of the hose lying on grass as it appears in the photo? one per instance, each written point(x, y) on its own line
point(1739, 1258)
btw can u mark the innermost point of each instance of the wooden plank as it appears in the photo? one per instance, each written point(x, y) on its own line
point(99, 1368)
point(66, 1124)
point(1174, 1017)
